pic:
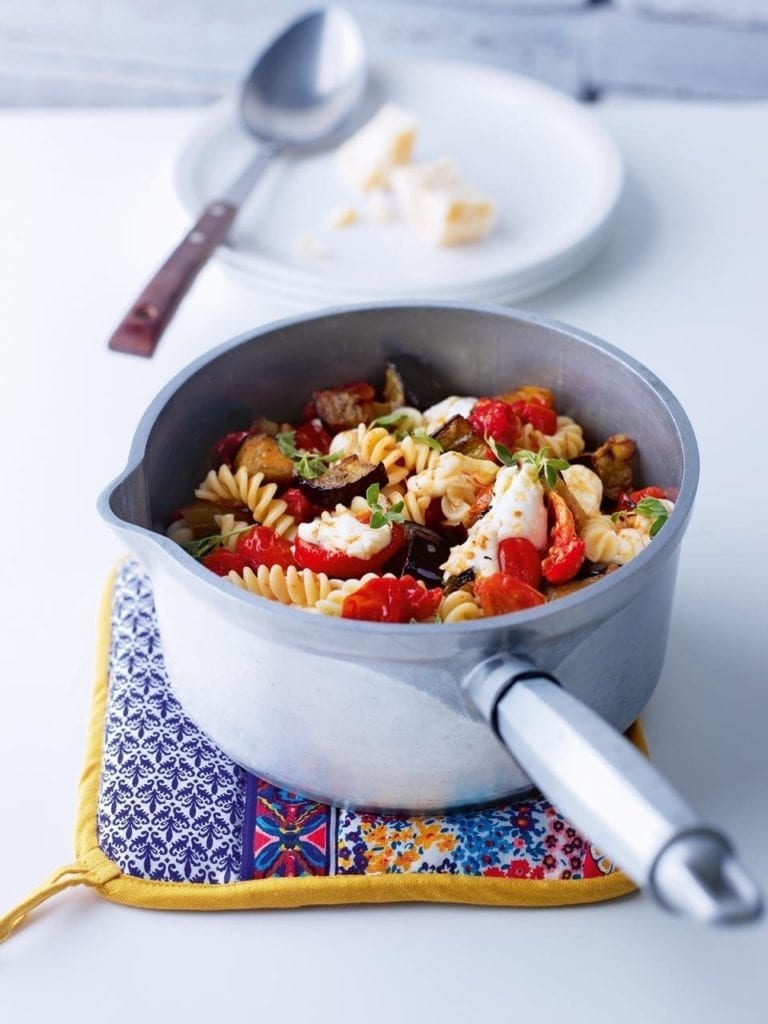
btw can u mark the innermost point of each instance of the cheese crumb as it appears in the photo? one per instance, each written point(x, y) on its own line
point(310, 248)
point(443, 208)
point(382, 143)
point(342, 217)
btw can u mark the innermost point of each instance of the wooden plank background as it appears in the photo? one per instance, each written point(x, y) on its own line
point(169, 52)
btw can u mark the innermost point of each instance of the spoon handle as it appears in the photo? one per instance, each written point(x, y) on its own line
point(141, 328)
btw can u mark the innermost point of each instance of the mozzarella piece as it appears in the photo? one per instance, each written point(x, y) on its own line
point(341, 531)
point(382, 143)
point(517, 509)
point(442, 207)
point(455, 405)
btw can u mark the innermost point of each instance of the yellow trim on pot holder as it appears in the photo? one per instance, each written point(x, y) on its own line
point(93, 868)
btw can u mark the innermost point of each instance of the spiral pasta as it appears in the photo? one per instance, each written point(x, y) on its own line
point(267, 510)
point(418, 456)
point(230, 529)
point(460, 606)
point(456, 480)
point(566, 443)
point(179, 531)
point(606, 541)
point(586, 487)
point(377, 445)
point(300, 587)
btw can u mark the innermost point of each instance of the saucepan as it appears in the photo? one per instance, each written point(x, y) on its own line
point(425, 717)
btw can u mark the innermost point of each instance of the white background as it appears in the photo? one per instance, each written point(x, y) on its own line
point(87, 209)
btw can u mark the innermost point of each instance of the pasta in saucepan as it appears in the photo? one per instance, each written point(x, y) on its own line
point(371, 508)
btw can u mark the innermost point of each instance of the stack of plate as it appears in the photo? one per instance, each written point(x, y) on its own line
point(552, 170)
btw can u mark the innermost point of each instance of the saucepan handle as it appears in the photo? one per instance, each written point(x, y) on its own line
point(605, 786)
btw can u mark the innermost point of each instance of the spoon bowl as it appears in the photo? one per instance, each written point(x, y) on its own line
point(306, 85)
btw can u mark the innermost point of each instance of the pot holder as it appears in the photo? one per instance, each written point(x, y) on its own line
point(167, 821)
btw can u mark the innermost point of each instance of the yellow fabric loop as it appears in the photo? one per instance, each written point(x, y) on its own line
point(63, 878)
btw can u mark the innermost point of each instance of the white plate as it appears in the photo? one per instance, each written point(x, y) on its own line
point(551, 168)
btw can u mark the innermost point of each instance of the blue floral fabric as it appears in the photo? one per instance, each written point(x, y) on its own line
point(171, 805)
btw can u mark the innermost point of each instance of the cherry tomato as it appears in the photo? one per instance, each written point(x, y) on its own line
point(299, 505)
point(225, 449)
point(626, 502)
point(501, 593)
point(312, 437)
point(519, 558)
point(565, 555)
point(340, 565)
point(390, 599)
point(223, 561)
point(538, 415)
point(262, 546)
point(493, 418)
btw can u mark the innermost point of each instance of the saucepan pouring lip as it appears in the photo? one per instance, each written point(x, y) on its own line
point(663, 545)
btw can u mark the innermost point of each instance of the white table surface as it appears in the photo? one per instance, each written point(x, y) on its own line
point(86, 210)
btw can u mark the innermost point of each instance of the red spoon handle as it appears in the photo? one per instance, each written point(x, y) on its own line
point(142, 326)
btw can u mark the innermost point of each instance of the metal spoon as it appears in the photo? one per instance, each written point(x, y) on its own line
point(297, 97)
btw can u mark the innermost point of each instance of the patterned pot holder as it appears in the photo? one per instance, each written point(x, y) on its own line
point(167, 821)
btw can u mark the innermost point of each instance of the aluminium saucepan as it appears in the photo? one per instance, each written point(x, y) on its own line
point(425, 717)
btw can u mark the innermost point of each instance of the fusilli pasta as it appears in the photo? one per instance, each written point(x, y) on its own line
point(260, 499)
point(300, 587)
point(566, 443)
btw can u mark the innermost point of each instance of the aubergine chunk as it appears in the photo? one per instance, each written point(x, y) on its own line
point(612, 462)
point(458, 435)
point(261, 453)
point(200, 515)
point(421, 556)
point(342, 481)
point(343, 409)
point(393, 390)
point(421, 387)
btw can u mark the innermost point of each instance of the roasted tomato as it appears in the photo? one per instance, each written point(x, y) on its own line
point(501, 593)
point(225, 449)
point(262, 546)
point(222, 562)
point(392, 600)
point(538, 415)
point(565, 555)
point(519, 558)
point(299, 505)
point(312, 437)
point(340, 565)
point(495, 419)
point(626, 502)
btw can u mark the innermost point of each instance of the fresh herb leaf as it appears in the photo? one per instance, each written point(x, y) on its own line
point(286, 442)
point(546, 467)
point(390, 419)
point(503, 454)
point(381, 516)
point(421, 437)
point(309, 465)
point(206, 545)
point(653, 509)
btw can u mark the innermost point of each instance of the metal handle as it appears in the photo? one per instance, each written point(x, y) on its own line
point(612, 793)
